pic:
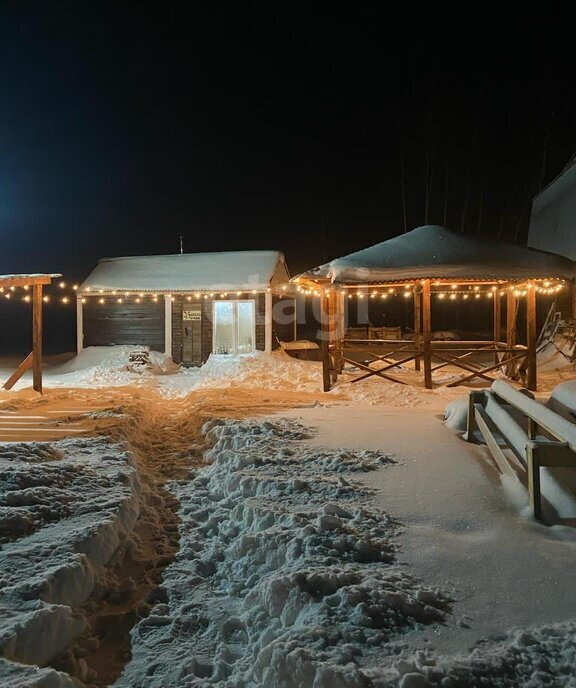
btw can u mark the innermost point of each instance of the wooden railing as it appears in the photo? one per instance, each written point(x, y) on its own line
point(542, 438)
point(393, 353)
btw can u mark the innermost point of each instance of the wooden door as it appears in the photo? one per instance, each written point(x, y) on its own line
point(192, 334)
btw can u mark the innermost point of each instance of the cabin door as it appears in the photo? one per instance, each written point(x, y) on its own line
point(192, 334)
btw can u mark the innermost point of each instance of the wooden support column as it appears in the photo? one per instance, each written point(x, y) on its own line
point(510, 328)
point(325, 342)
point(531, 335)
point(37, 337)
point(497, 321)
point(268, 303)
point(427, 334)
point(417, 326)
point(168, 325)
point(79, 324)
point(342, 320)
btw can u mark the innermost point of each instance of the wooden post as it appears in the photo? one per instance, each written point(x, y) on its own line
point(37, 337)
point(417, 326)
point(533, 470)
point(325, 342)
point(168, 325)
point(268, 302)
point(79, 324)
point(342, 320)
point(497, 324)
point(531, 335)
point(510, 328)
point(427, 334)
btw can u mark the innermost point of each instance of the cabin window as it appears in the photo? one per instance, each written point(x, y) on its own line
point(234, 327)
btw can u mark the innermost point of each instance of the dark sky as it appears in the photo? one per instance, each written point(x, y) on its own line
point(272, 125)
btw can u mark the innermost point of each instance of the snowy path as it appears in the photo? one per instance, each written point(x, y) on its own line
point(460, 529)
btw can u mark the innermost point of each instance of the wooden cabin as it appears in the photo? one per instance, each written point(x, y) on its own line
point(188, 305)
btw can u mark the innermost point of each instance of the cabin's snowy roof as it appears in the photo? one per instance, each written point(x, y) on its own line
point(188, 271)
point(435, 252)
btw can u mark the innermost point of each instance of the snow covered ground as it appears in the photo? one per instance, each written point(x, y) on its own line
point(353, 541)
point(103, 367)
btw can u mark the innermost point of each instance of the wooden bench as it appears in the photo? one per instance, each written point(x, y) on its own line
point(536, 435)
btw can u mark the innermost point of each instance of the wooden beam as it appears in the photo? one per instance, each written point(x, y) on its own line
point(268, 304)
point(510, 327)
point(497, 321)
point(484, 424)
point(37, 337)
point(79, 324)
point(20, 370)
point(417, 326)
point(427, 334)
point(533, 469)
point(531, 336)
point(325, 343)
point(25, 280)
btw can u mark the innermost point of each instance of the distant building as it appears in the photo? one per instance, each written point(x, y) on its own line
point(553, 217)
point(188, 306)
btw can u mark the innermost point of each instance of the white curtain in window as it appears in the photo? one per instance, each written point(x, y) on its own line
point(234, 327)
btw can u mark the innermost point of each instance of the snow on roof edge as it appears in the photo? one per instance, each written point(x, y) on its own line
point(216, 270)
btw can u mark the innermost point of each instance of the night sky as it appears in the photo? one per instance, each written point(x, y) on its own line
point(272, 125)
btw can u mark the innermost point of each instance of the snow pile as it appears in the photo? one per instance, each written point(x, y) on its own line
point(64, 509)
point(456, 414)
point(98, 367)
point(21, 676)
point(284, 576)
point(563, 400)
point(538, 658)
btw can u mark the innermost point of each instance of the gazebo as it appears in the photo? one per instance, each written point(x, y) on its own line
point(33, 283)
point(428, 263)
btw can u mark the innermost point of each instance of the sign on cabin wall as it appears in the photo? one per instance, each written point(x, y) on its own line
point(192, 315)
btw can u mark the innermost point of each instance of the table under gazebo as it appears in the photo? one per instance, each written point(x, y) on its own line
point(429, 263)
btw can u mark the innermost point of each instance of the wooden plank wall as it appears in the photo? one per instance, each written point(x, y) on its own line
point(124, 323)
point(207, 329)
point(284, 309)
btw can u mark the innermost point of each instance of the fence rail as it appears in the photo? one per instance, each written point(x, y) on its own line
point(534, 434)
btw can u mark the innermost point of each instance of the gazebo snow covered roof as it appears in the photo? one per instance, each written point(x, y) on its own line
point(229, 270)
point(435, 252)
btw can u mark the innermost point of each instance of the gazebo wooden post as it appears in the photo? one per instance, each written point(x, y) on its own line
point(497, 323)
point(342, 306)
point(325, 342)
point(510, 327)
point(417, 327)
point(427, 334)
point(37, 337)
point(531, 336)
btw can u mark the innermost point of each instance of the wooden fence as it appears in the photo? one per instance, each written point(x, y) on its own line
point(510, 419)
